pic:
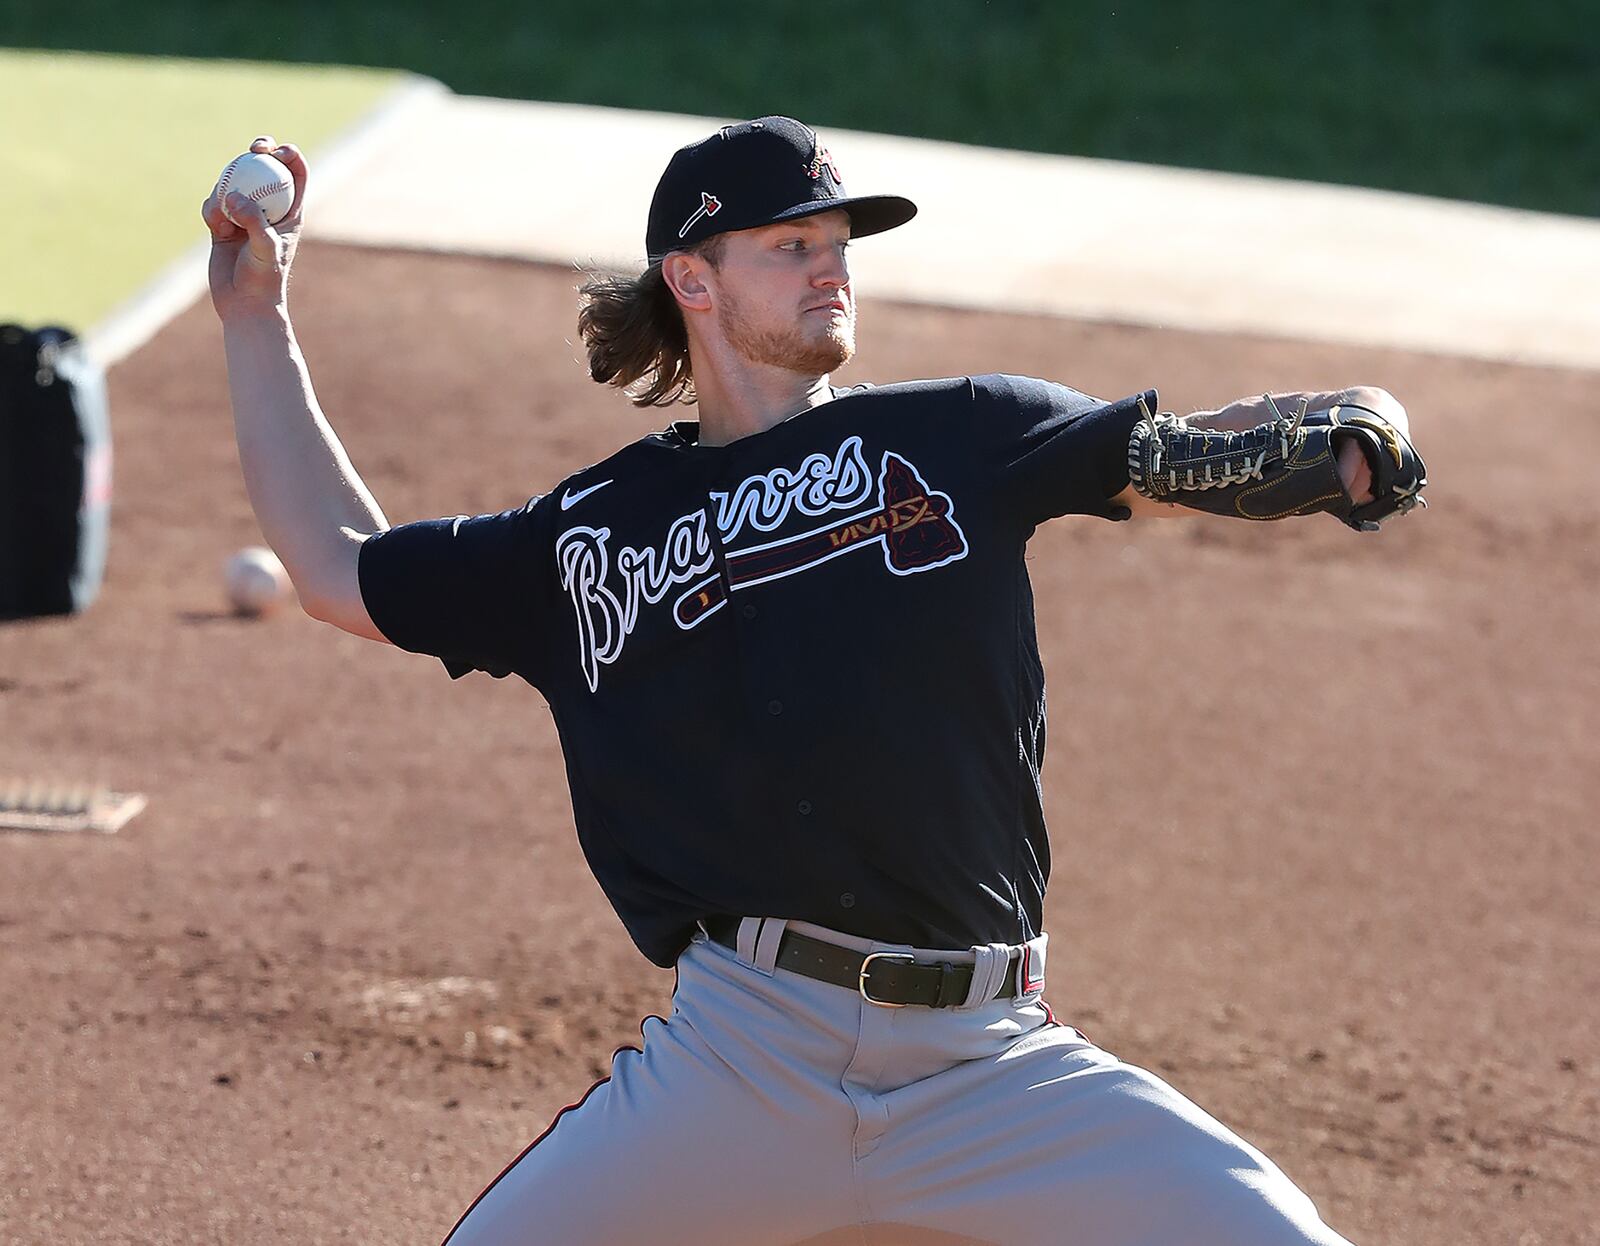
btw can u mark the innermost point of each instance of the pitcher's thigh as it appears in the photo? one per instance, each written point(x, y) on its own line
point(673, 1147)
point(1059, 1141)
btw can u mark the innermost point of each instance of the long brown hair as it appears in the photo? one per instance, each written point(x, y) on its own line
point(633, 330)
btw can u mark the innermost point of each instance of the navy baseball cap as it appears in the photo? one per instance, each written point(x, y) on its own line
point(756, 173)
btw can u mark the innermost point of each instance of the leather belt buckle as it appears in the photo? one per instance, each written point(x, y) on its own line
point(866, 969)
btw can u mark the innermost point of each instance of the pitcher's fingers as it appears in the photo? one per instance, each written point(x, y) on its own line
point(263, 239)
point(295, 162)
point(262, 143)
point(222, 229)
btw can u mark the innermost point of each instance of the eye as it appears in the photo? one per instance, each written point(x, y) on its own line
point(793, 244)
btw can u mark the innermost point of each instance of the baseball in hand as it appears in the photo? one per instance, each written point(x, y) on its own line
point(256, 581)
point(262, 178)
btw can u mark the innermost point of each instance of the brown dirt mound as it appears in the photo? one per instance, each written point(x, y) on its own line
point(1320, 802)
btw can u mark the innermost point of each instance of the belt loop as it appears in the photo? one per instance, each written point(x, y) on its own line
point(766, 957)
point(988, 974)
point(745, 943)
point(1030, 967)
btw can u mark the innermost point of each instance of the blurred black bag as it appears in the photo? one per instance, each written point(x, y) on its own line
point(55, 473)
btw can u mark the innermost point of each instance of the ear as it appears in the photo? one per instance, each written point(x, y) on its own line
point(685, 276)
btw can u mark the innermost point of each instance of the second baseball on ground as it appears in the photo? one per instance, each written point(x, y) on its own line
point(262, 178)
point(256, 581)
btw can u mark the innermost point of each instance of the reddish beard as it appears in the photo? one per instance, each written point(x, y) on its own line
point(790, 346)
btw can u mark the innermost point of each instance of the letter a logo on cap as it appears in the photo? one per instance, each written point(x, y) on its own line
point(710, 205)
point(820, 160)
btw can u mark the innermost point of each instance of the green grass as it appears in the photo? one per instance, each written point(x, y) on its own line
point(106, 161)
point(1471, 99)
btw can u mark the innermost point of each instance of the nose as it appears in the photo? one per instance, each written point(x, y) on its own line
point(833, 270)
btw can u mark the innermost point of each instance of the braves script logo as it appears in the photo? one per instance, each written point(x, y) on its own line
point(893, 511)
point(710, 205)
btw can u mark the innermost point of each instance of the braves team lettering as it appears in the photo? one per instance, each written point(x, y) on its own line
point(895, 510)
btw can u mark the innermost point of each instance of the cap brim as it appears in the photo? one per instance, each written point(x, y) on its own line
point(869, 214)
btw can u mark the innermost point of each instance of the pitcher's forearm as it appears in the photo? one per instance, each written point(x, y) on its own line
point(307, 496)
point(1246, 413)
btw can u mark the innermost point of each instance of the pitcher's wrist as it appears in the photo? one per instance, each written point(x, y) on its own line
point(247, 314)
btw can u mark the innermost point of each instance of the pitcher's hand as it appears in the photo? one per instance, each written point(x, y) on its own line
point(250, 264)
point(1354, 470)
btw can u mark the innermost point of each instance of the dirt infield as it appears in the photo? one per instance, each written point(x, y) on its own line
point(1321, 804)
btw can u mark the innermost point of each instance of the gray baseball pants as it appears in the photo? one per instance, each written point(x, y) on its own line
point(774, 1110)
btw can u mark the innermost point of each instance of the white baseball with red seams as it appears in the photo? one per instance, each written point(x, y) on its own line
point(261, 178)
point(256, 581)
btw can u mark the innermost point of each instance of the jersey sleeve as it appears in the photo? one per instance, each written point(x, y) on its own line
point(476, 592)
point(1057, 451)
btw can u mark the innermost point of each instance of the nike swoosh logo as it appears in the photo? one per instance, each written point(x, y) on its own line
point(570, 499)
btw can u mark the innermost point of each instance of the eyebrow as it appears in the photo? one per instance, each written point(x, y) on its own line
point(810, 224)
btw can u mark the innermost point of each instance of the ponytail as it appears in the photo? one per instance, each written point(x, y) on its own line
point(633, 332)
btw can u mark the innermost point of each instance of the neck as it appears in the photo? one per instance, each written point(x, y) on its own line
point(737, 398)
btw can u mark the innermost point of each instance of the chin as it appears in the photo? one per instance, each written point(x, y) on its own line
point(838, 344)
point(810, 349)
point(823, 357)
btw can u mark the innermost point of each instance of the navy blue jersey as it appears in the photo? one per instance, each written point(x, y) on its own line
point(794, 676)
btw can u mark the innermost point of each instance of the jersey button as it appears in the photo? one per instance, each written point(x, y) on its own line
point(847, 900)
point(774, 707)
point(749, 611)
point(804, 806)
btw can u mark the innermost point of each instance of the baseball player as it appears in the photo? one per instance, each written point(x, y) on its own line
point(789, 649)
